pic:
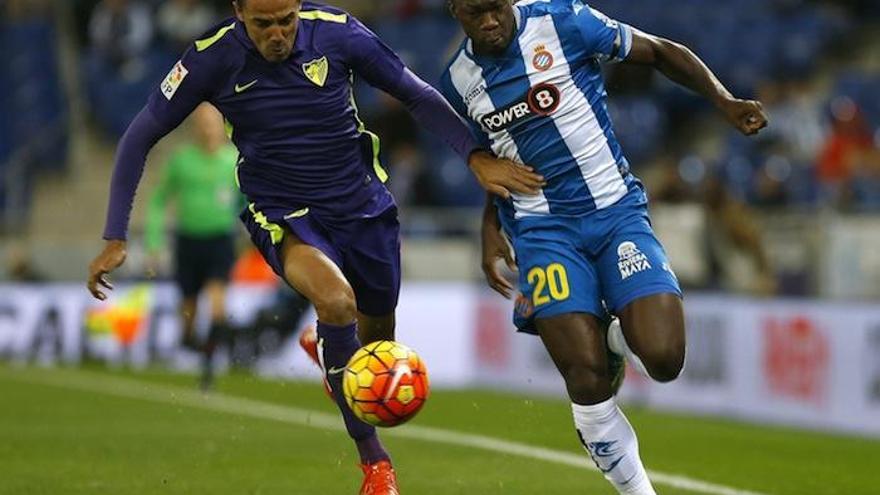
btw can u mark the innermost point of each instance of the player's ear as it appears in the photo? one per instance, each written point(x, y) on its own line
point(237, 6)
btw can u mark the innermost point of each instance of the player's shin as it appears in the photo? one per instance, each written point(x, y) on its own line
point(336, 345)
point(611, 442)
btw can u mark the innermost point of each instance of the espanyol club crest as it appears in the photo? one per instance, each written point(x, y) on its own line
point(543, 59)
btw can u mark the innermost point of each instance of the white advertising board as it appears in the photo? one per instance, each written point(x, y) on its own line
point(805, 363)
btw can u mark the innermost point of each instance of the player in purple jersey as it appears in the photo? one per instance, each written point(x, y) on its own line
point(281, 74)
point(529, 78)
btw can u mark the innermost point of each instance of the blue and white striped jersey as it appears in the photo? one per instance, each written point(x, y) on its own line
point(543, 103)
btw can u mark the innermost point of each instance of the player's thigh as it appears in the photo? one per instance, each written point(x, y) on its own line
point(314, 275)
point(555, 277)
point(655, 331)
point(300, 252)
point(372, 266)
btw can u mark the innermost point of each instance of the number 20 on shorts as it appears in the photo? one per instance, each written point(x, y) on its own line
point(550, 284)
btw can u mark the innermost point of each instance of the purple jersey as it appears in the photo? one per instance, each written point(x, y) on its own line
point(294, 123)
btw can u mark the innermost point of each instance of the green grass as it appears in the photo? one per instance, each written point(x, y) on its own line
point(59, 440)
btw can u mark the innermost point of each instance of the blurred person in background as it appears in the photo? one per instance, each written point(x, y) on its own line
point(180, 22)
point(529, 80)
point(281, 73)
point(405, 159)
point(199, 180)
point(796, 108)
point(847, 153)
point(120, 33)
point(20, 267)
point(737, 258)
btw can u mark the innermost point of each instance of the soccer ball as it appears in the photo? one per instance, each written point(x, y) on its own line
point(385, 383)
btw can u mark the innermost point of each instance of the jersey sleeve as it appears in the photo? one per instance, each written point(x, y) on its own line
point(447, 89)
point(372, 59)
point(605, 39)
point(190, 82)
point(187, 84)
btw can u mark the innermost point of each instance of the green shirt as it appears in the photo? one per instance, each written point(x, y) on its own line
point(204, 189)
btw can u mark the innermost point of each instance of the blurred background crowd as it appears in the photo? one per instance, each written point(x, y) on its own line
point(794, 212)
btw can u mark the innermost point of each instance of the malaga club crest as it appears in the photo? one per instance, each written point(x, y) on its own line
point(543, 59)
point(317, 70)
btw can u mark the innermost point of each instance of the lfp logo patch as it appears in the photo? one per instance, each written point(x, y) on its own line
point(173, 80)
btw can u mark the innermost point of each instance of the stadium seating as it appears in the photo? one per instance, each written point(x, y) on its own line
point(35, 139)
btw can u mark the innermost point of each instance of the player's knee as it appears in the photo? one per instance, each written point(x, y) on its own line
point(586, 383)
point(336, 307)
point(664, 362)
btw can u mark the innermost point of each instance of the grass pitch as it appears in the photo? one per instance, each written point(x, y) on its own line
point(67, 431)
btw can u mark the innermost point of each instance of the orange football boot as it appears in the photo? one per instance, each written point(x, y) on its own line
point(379, 479)
point(308, 340)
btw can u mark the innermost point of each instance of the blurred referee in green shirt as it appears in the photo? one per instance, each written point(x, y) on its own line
point(200, 180)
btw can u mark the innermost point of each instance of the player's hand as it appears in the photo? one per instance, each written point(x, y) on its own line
point(110, 259)
point(746, 115)
point(501, 177)
point(496, 247)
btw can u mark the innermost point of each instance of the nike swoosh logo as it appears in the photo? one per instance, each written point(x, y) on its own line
point(395, 380)
point(335, 371)
point(245, 87)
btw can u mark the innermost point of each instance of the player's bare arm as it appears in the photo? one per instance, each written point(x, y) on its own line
point(495, 247)
point(680, 64)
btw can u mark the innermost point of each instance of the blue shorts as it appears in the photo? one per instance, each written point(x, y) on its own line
point(596, 263)
point(367, 250)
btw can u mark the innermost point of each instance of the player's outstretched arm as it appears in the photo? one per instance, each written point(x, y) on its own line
point(142, 134)
point(383, 69)
point(495, 248)
point(681, 65)
point(186, 86)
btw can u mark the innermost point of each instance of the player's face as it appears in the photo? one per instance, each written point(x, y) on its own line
point(489, 23)
point(271, 25)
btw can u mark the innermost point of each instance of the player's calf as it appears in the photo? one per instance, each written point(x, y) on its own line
point(336, 345)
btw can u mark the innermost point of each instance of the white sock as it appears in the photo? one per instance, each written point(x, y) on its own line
point(611, 442)
point(617, 344)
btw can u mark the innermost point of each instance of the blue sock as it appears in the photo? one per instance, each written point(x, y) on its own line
point(337, 345)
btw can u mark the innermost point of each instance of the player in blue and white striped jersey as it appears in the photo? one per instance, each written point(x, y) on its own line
point(528, 79)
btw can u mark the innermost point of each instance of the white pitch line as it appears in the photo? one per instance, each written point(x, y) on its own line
point(149, 391)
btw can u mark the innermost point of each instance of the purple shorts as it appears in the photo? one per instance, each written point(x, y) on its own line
point(367, 250)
